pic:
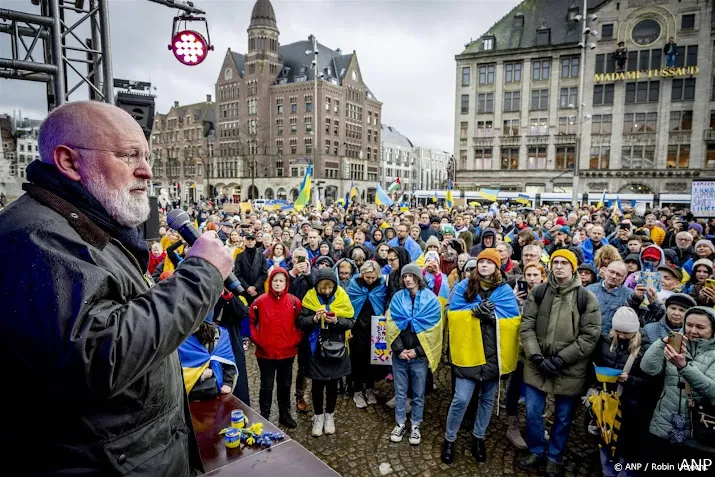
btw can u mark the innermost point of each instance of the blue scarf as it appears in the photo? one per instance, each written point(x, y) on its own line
point(359, 293)
point(424, 315)
point(410, 245)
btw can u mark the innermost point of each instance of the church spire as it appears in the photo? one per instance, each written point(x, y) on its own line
point(263, 15)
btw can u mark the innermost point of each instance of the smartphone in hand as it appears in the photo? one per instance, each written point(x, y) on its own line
point(675, 340)
point(522, 287)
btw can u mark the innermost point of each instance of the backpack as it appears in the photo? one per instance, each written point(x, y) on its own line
point(581, 298)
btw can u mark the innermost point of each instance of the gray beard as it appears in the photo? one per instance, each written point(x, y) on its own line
point(126, 209)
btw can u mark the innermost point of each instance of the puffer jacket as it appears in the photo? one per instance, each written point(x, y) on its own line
point(699, 372)
point(273, 316)
point(555, 328)
point(79, 311)
point(659, 329)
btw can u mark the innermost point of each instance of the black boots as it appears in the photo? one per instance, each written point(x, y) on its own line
point(286, 420)
point(447, 452)
point(479, 452)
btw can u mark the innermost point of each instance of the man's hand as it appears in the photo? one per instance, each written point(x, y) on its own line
point(652, 294)
point(225, 389)
point(640, 291)
point(210, 248)
point(252, 291)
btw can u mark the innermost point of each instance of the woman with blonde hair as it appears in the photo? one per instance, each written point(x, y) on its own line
point(234, 244)
point(604, 257)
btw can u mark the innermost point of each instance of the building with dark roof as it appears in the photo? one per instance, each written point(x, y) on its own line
point(270, 127)
point(520, 121)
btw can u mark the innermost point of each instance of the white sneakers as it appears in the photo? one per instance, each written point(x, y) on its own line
point(329, 426)
point(415, 436)
point(318, 422)
point(370, 397)
point(359, 400)
point(398, 433)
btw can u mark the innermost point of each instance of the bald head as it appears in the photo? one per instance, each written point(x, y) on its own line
point(88, 124)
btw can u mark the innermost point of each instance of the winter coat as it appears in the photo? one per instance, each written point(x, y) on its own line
point(104, 340)
point(636, 405)
point(650, 314)
point(273, 329)
point(554, 328)
point(251, 272)
point(659, 329)
point(609, 301)
point(683, 255)
point(589, 250)
point(394, 281)
point(699, 372)
point(476, 249)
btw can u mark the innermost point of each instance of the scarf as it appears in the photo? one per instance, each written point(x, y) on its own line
point(49, 178)
point(437, 277)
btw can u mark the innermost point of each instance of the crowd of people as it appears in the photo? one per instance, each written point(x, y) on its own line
point(531, 300)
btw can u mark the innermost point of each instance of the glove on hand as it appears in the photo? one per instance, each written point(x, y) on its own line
point(484, 310)
point(547, 369)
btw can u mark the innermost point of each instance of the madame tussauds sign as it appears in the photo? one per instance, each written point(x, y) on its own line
point(646, 74)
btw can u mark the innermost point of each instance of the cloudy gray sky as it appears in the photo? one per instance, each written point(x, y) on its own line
point(405, 48)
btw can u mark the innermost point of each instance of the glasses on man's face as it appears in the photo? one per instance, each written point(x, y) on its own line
point(132, 158)
point(559, 264)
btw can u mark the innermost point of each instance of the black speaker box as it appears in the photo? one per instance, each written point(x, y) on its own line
point(140, 107)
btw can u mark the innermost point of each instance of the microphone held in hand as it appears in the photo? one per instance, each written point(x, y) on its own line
point(180, 221)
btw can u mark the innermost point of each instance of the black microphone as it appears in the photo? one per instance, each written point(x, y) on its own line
point(180, 221)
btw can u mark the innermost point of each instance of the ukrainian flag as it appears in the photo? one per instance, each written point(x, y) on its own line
point(434, 197)
point(423, 315)
point(195, 358)
point(381, 197)
point(605, 374)
point(353, 192)
point(340, 202)
point(523, 199)
point(465, 334)
point(304, 194)
point(602, 201)
point(449, 199)
point(489, 194)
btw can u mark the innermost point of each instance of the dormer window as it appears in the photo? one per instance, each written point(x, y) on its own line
point(518, 21)
point(543, 36)
point(488, 43)
point(573, 11)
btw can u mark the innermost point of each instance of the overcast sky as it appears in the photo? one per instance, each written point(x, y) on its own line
point(405, 49)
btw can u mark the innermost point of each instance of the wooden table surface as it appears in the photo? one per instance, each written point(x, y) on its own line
point(209, 417)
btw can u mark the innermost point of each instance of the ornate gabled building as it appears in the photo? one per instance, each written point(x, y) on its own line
point(641, 127)
point(270, 125)
point(182, 150)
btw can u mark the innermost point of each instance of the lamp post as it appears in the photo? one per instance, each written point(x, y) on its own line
point(316, 110)
point(586, 31)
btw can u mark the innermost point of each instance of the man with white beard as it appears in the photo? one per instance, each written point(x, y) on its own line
point(90, 342)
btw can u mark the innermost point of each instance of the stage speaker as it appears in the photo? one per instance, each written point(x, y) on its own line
point(150, 228)
point(140, 107)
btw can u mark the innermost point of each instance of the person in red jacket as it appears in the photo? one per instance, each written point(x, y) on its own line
point(273, 331)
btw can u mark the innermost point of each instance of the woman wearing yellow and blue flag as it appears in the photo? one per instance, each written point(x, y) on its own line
point(414, 334)
point(207, 361)
point(368, 294)
point(484, 323)
point(326, 317)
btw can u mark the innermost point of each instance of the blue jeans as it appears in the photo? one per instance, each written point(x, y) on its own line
point(405, 372)
point(463, 390)
point(563, 417)
point(669, 60)
point(608, 466)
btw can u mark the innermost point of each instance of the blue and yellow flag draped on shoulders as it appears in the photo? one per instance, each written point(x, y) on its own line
point(465, 334)
point(358, 294)
point(339, 304)
point(410, 245)
point(195, 358)
point(425, 318)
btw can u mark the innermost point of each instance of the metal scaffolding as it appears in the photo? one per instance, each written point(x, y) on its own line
point(48, 47)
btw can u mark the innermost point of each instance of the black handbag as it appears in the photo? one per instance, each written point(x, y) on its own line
point(702, 419)
point(331, 348)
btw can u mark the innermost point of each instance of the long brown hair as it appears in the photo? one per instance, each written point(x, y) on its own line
point(206, 333)
point(474, 285)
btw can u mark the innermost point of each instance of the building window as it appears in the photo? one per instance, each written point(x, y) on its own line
point(536, 158)
point(336, 146)
point(710, 157)
point(293, 145)
point(567, 125)
point(688, 21)
point(681, 120)
point(308, 145)
point(570, 67)
point(463, 131)
point(509, 159)
point(678, 156)
point(327, 125)
point(565, 157)
point(603, 94)
point(643, 92)
point(683, 89)
point(687, 56)
point(465, 76)
point(462, 161)
point(327, 104)
point(308, 103)
point(645, 59)
point(279, 126)
point(605, 64)
point(712, 119)
point(638, 157)
point(486, 74)
point(512, 101)
point(293, 104)
point(599, 157)
point(539, 99)
point(539, 127)
point(465, 104)
point(543, 36)
point(485, 103)
point(308, 124)
point(540, 70)
point(512, 72)
point(568, 98)
point(485, 129)
point(279, 105)
point(607, 30)
point(293, 125)
point(518, 21)
point(511, 127)
point(327, 146)
point(336, 128)
point(336, 108)
point(639, 122)
point(488, 44)
point(601, 124)
point(483, 159)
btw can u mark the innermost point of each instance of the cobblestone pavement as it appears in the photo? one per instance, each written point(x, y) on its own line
point(361, 446)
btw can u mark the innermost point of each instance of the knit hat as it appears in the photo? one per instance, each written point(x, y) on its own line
point(702, 261)
point(412, 268)
point(625, 320)
point(471, 264)
point(490, 254)
point(568, 255)
point(432, 241)
point(697, 227)
point(682, 299)
point(707, 243)
point(560, 221)
point(677, 272)
point(564, 229)
point(633, 257)
point(432, 256)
